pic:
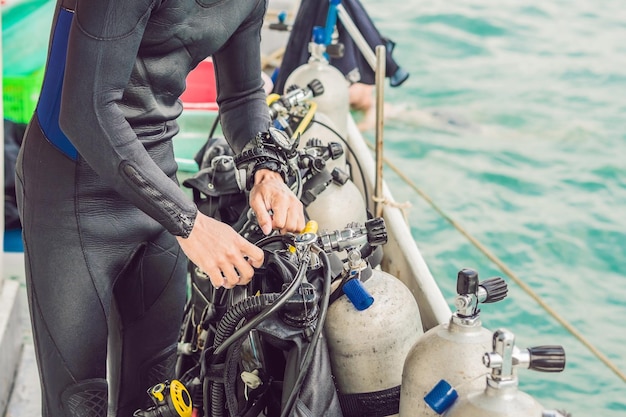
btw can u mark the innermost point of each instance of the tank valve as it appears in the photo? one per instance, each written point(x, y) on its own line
point(502, 382)
point(374, 232)
point(295, 96)
point(506, 357)
point(281, 25)
point(471, 292)
point(315, 154)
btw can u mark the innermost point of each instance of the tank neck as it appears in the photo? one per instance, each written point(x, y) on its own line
point(502, 388)
point(317, 53)
point(465, 323)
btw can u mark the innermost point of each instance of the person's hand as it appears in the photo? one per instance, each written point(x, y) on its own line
point(271, 193)
point(220, 252)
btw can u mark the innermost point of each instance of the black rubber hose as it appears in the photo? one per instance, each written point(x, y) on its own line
point(308, 356)
point(278, 303)
point(226, 340)
point(228, 335)
point(248, 307)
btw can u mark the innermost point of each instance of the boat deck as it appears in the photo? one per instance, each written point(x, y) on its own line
point(25, 396)
point(20, 394)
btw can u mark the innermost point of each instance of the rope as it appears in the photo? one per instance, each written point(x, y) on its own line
point(402, 206)
point(493, 258)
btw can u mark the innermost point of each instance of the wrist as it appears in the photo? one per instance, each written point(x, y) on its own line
point(268, 153)
point(187, 223)
point(262, 175)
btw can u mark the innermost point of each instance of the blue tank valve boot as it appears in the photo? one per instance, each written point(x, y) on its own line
point(358, 294)
point(441, 397)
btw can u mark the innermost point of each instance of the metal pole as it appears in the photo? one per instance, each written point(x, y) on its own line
point(356, 36)
point(380, 101)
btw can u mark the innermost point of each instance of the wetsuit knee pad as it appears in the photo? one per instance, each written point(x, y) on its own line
point(131, 394)
point(153, 371)
point(86, 398)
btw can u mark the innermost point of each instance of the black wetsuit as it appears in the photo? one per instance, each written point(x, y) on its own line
point(97, 191)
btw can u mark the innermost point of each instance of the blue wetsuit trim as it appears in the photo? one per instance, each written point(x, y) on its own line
point(48, 107)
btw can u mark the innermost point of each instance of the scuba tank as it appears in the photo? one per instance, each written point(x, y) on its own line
point(370, 328)
point(329, 197)
point(335, 102)
point(341, 200)
point(501, 397)
point(451, 350)
point(296, 113)
point(323, 128)
point(328, 193)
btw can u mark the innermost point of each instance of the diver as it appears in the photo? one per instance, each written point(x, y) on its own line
point(107, 231)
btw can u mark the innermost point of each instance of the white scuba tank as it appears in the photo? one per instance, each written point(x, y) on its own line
point(296, 112)
point(339, 203)
point(328, 193)
point(329, 197)
point(335, 102)
point(369, 331)
point(323, 128)
point(501, 396)
point(453, 350)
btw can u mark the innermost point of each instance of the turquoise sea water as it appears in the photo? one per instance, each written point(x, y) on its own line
point(513, 122)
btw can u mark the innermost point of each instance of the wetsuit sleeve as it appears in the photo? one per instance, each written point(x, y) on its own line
point(240, 94)
point(102, 48)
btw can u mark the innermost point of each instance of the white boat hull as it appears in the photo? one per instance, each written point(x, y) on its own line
point(402, 257)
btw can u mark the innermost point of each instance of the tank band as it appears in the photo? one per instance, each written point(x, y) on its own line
point(371, 404)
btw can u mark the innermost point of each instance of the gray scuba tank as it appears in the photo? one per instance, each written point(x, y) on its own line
point(330, 197)
point(335, 102)
point(323, 128)
point(500, 397)
point(452, 350)
point(369, 331)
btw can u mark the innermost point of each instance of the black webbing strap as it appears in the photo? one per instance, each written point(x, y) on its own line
point(371, 404)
